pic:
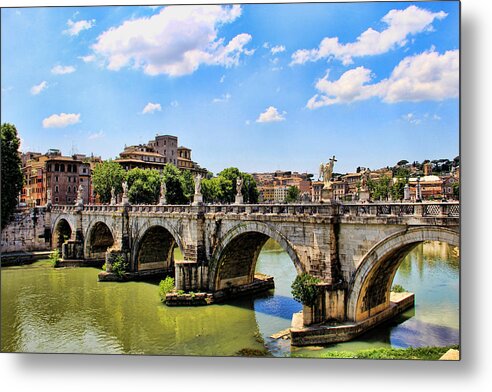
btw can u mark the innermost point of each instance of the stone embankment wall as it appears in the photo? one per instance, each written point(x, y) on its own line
point(26, 232)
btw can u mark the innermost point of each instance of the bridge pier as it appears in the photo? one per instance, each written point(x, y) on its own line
point(190, 276)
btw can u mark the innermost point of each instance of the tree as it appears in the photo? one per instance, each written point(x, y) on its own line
point(292, 194)
point(187, 184)
point(380, 188)
point(214, 190)
point(305, 289)
point(105, 176)
point(12, 178)
point(175, 194)
point(143, 186)
point(456, 190)
point(403, 162)
point(249, 190)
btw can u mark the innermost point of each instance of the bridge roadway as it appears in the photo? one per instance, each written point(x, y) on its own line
point(355, 249)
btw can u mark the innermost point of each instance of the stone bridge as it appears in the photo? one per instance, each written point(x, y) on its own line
point(355, 249)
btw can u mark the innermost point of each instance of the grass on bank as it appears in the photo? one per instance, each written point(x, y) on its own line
point(420, 353)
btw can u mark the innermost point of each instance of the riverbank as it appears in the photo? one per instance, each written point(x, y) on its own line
point(419, 353)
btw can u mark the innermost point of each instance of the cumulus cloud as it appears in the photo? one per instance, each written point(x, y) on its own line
point(175, 41)
point(271, 114)
point(96, 135)
point(35, 90)
point(74, 28)
point(400, 25)
point(151, 108)
point(425, 76)
point(223, 98)
point(88, 59)
point(412, 118)
point(61, 120)
point(62, 69)
point(277, 49)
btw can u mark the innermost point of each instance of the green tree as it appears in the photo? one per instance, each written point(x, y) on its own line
point(105, 176)
point(305, 289)
point(380, 188)
point(214, 190)
point(187, 184)
point(456, 190)
point(12, 178)
point(175, 194)
point(143, 186)
point(292, 194)
point(249, 189)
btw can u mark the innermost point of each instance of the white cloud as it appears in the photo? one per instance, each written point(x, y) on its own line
point(88, 59)
point(175, 41)
point(412, 118)
point(74, 28)
point(277, 49)
point(266, 45)
point(61, 120)
point(436, 117)
point(223, 98)
point(271, 114)
point(426, 76)
point(35, 90)
point(151, 108)
point(62, 70)
point(401, 24)
point(222, 79)
point(174, 104)
point(96, 135)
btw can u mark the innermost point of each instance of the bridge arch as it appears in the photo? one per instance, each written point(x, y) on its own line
point(369, 290)
point(234, 259)
point(154, 247)
point(99, 238)
point(62, 230)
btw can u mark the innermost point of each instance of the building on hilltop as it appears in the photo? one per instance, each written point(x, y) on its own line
point(60, 174)
point(157, 153)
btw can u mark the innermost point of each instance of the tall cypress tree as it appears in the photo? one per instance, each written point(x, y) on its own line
point(12, 178)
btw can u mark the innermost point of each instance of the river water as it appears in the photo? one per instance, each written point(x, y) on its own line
point(68, 311)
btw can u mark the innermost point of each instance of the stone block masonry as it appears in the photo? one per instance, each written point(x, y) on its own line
point(26, 232)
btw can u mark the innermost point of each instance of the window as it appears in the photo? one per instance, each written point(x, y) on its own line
point(84, 170)
point(57, 167)
point(56, 189)
point(68, 189)
point(68, 200)
point(62, 167)
point(56, 178)
point(56, 199)
point(81, 180)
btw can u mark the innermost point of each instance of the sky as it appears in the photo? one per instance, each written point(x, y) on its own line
point(261, 87)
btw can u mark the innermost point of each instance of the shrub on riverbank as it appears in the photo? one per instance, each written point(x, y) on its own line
point(165, 287)
point(398, 289)
point(420, 353)
point(55, 257)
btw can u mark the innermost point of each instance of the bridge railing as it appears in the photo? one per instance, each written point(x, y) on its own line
point(425, 209)
point(448, 209)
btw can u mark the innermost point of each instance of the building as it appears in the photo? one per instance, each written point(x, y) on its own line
point(157, 153)
point(280, 193)
point(266, 193)
point(316, 188)
point(448, 186)
point(60, 174)
point(430, 187)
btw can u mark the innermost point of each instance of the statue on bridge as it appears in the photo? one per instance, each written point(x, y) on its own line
point(197, 197)
point(326, 171)
point(80, 194)
point(162, 199)
point(124, 198)
point(239, 194)
point(113, 196)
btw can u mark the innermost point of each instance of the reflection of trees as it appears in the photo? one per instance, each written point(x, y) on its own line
point(430, 254)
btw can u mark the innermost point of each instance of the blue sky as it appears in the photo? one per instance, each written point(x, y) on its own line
point(260, 87)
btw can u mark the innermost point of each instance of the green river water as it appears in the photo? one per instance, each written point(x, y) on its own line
point(68, 311)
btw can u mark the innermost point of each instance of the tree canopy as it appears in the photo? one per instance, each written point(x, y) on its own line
point(12, 178)
point(293, 194)
point(107, 175)
point(222, 188)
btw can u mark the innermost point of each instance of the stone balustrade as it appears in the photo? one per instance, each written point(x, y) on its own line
point(425, 209)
